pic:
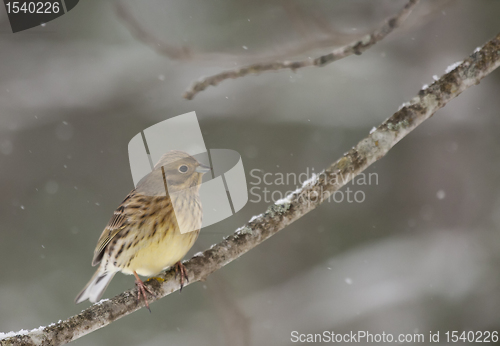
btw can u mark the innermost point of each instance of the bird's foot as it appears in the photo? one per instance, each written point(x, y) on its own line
point(181, 269)
point(141, 291)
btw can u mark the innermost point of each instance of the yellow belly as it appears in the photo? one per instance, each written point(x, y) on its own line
point(158, 253)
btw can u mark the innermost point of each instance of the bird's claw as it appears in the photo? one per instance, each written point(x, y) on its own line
point(141, 291)
point(181, 269)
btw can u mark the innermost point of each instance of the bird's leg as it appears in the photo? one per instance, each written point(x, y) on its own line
point(181, 269)
point(141, 290)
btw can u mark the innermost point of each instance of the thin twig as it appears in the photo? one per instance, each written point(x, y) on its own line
point(136, 29)
point(235, 324)
point(277, 216)
point(356, 47)
point(297, 19)
point(185, 53)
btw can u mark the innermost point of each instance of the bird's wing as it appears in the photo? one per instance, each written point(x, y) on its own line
point(115, 225)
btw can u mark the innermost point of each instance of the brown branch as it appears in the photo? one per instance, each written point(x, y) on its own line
point(297, 18)
point(277, 216)
point(235, 324)
point(184, 53)
point(356, 47)
point(135, 28)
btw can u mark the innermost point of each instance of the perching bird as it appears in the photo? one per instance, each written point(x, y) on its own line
point(144, 235)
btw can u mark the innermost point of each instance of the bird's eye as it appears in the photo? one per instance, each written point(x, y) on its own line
point(183, 169)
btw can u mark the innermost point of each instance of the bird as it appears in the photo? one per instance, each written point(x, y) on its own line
point(153, 228)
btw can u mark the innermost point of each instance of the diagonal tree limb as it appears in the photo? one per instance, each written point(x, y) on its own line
point(186, 54)
point(357, 47)
point(372, 148)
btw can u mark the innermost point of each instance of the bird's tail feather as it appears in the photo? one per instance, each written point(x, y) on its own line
point(95, 287)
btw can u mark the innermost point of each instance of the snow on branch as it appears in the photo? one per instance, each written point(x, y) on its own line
point(277, 216)
point(357, 47)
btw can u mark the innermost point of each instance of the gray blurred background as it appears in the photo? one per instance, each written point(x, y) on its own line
point(420, 254)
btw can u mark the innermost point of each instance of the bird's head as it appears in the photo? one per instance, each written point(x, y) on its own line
point(180, 170)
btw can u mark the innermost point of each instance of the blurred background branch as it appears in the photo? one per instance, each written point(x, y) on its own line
point(357, 47)
point(139, 32)
point(302, 24)
point(330, 38)
point(234, 323)
point(313, 192)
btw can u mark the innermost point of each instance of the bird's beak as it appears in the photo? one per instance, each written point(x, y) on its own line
point(202, 168)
